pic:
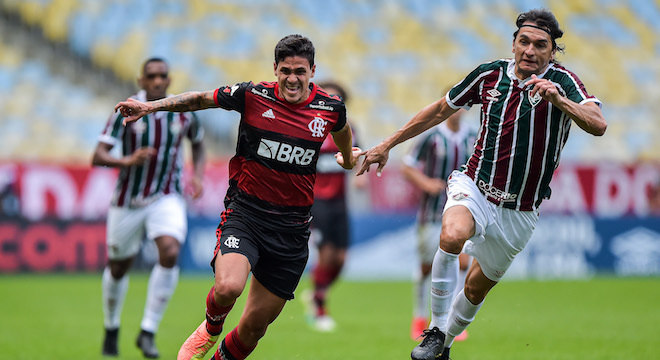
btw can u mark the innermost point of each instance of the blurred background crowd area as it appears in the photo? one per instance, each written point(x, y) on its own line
point(65, 63)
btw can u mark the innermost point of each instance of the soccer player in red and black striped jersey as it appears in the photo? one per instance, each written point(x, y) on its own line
point(528, 104)
point(147, 202)
point(265, 227)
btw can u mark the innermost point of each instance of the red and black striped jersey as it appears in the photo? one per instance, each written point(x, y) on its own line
point(274, 168)
point(140, 185)
point(521, 137)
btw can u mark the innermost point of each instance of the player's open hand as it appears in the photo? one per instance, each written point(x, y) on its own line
point(141, 155)
point(377, 154)
point(132, 110)
point(355, 154)
point(545, 88)
point(196, 187)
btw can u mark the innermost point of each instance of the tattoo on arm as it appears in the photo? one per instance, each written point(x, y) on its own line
point(188, 101)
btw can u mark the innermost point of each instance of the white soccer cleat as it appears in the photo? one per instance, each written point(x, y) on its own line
point(325, 323)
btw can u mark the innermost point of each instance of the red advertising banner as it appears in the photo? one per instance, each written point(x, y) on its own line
point(37, 191)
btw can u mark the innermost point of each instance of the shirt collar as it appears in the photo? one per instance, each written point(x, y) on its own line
point(510, 71)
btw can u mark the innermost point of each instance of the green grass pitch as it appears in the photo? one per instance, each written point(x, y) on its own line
point(59, 317)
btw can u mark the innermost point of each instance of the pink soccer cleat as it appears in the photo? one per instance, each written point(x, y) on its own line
point(197, 344)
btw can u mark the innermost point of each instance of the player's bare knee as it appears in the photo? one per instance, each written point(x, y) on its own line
point(225, 291)
point(451, 241)
point(168, 256)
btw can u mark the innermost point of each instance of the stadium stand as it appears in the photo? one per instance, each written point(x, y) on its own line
point(395, 56)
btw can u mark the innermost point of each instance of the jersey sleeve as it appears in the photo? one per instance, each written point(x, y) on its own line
point(341, 118)
point(114, 129)
point(195, 131)
point(232, 97)
point(466, 93)
point(574, 89)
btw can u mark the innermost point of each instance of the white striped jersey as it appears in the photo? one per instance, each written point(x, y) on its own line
point(521, 137)
point(437, 153)
point(142, 184)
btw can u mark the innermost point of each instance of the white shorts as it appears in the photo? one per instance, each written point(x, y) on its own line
point(127, 227)
point(428, 240)
point(500, 233)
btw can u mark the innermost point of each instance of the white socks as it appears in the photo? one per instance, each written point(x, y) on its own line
point(421, 293)
point(461, 315)
point(162, 283)
point(444, 277)
point(114, 293)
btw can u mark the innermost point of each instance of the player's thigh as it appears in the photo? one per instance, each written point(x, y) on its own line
point(124, 232)
point(167, 217)
point(503, 240)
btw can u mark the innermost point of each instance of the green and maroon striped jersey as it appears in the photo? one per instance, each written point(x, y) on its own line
point(521, 137)
point(140, 185)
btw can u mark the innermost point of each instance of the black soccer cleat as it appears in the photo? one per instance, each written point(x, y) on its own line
point(432, 347)
point(145, 342)
point(110, 343)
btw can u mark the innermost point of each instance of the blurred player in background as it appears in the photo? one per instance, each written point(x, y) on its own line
point(330, 222)
point(431, 160)
point(265, 227)
point(147, 202)
point(528, 104)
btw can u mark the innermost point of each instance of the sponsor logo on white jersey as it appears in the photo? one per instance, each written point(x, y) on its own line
point(268, 114)
point(232, 242)
point(317, 126)
point(283, 152)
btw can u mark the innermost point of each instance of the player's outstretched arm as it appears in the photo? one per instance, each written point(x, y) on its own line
point(133, 109)
point(427, 118)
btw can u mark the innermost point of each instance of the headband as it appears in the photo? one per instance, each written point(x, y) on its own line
point(538, 27)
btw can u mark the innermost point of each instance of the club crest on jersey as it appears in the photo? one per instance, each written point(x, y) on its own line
point(175, 127)
point(232, 242)
point(139, 127)
point(317, 126)
point(493, 95)
point(534, 100)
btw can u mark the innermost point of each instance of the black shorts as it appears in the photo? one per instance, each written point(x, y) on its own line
point(330, 218)
point(277, 258)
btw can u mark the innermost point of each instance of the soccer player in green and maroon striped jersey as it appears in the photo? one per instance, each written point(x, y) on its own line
point(528, 104)
point(147, 202)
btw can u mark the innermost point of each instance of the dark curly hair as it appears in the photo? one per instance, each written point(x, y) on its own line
point(294, 45)
point(546, 21)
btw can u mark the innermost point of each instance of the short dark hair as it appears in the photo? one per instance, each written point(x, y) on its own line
point(294, 45)
point(544, 19)
point(340, 89)
point(151, 60)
